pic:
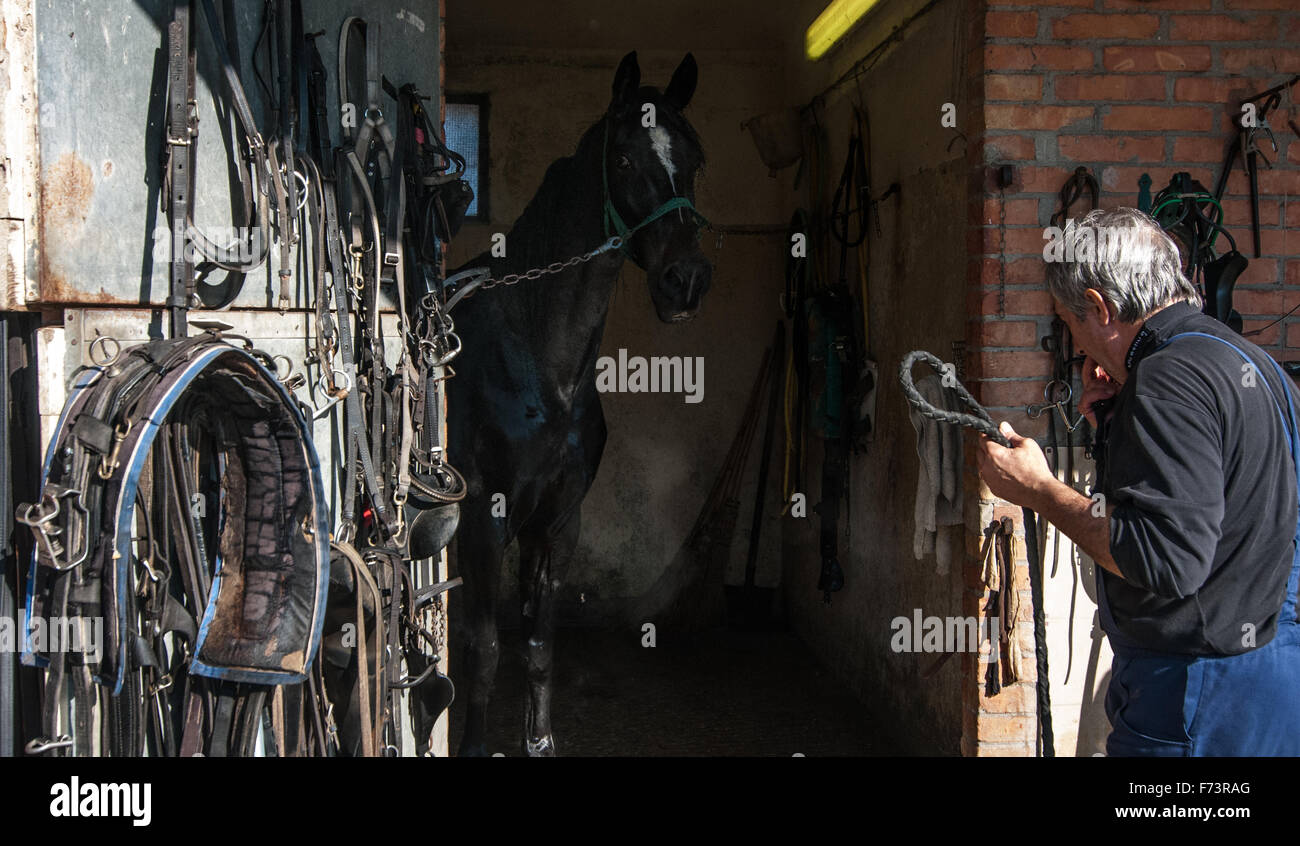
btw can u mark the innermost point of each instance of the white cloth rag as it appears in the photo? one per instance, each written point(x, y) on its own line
point(939, 482)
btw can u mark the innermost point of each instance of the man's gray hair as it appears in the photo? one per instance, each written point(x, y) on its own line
point(1124, 255)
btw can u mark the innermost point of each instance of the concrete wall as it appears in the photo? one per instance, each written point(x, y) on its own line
point(917, 301)
point(548, 82)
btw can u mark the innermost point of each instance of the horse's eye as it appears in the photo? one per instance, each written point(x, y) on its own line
point(624, 163)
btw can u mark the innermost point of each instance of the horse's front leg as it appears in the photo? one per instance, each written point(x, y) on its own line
point(479, 555)
point(543, 558)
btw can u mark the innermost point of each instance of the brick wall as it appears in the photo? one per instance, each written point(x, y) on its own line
point(1124, 87)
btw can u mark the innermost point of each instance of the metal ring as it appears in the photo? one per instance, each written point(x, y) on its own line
point(288, 366)
point(102, 342)
point(302, 178)
point(322, 384)
point(1047, 393)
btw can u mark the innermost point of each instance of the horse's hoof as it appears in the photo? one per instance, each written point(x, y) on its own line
point(472, 750)
point(540, 747)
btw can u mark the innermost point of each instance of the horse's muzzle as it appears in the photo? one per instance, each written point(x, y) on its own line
point(681, 289)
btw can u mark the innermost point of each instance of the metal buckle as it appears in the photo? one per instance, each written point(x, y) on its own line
point(109, 463)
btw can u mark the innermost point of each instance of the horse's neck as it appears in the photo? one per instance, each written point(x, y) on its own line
point(562, 314)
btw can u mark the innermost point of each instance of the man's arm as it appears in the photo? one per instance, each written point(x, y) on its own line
point(1021, 475)
point(1082, 520)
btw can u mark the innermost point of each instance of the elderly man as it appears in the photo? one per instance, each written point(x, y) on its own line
point(1194, 532)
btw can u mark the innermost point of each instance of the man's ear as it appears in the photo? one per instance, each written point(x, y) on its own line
point(627, 79)
point(1098, 306)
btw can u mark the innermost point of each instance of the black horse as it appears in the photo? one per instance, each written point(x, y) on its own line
point(525, 422)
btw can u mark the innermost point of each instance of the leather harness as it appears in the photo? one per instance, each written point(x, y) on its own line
point(123, 455)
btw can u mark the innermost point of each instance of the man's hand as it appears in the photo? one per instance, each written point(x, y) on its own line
point(1019, 474)
point(1098, 387)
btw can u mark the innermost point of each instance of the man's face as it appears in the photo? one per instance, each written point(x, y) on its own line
point(1090, 335)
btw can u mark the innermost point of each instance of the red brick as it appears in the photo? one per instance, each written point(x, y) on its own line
point(1256, 301)
point(1156, 5)
point(1110, 148)
point(1080, 26)
point(1008, 57)
point(1285, 5)
point(1200, 150)
point(1189, 58)
point(1011, 24)
point(1011, 365)
point(1267, 337)
point(1020, 241)
point(1016, 212)
point(1010, 393)
point(1002, 750)
point(1018, 300)
point(1018, 698)
point(1200, 89)
point(1293, 150)
point(1035, 117)
point(1237, 212)
point(1206, 28)
point(1261, 271)
point(1008, 148)
point(1278, 181)
point(1017, 87)
point(1265, 59)
point(1008, 333)
point(1272, 242)
point(1109, 87)
point(1293, 273)
point(1006, 728)
point(1019, 271)
point(1159, 118)
point(1124, 180)
point(1292, 213)
point(1041, 180)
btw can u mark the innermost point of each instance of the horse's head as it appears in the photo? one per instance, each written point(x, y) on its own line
point(651, 156)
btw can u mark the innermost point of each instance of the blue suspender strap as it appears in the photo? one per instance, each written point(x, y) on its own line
point(1288, 611)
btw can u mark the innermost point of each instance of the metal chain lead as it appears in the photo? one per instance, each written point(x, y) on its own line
point(478, 278)
point(555, 266)
point(1002, 252)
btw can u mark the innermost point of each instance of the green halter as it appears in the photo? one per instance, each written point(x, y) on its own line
point(614, 221)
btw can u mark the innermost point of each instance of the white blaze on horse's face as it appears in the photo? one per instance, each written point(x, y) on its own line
point(662, 143)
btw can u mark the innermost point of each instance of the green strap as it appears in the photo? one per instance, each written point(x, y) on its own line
point(615, 221)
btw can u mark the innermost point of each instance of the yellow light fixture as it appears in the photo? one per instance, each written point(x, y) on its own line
point(830, 26)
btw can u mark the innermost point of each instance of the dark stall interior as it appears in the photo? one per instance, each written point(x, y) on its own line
point(796, 674)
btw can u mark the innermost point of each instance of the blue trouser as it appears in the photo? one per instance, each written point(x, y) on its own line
point(1178, 705)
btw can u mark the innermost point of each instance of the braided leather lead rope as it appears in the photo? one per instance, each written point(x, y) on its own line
point(979, 421)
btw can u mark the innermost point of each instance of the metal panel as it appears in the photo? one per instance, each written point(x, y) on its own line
point(101, 80)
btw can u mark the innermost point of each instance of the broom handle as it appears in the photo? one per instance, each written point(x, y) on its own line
point(774, 401)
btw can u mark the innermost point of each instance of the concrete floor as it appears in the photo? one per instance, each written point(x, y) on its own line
point(724, 693)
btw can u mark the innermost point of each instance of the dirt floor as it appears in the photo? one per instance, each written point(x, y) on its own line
point(725, 693)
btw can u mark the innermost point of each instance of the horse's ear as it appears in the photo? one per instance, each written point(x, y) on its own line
point(682, 87)
point(627, 79)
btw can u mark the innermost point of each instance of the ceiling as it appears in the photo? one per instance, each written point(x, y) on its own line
point(643, 25)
